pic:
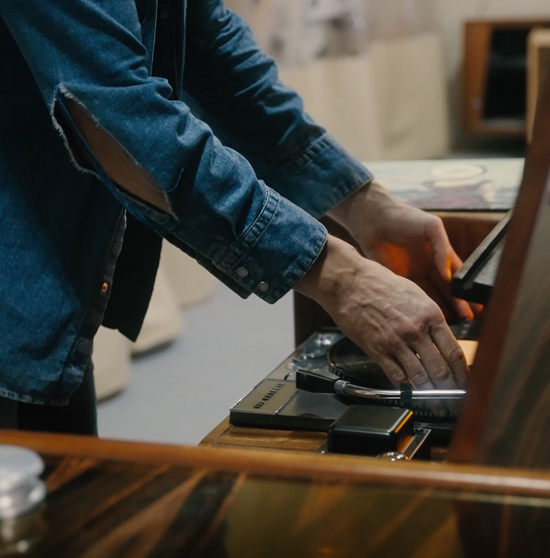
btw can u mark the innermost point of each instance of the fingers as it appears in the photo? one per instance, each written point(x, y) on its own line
point(430, 360)
point(416, 371)
point(441, 375)
point(446, 263)
point(443, 253)
point(393, 370)
point(439, 372)
point(456, 262)
point(450, 350)
point(441, 285)
point(461, 308)
point(477, 309)
point(434, 291)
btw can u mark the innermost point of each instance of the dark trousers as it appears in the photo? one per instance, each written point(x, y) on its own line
point(78, 417)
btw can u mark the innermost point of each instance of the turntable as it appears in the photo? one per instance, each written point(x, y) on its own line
point(324, 377)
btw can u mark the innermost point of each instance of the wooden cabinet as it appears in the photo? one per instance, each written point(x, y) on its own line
point(495, 76)
point(538, 71)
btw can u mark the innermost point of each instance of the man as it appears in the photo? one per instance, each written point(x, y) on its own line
point(95, 145)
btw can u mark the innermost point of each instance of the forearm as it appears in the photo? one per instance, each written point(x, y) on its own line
point(236, 89)
point(364, 208)
point(152, 153)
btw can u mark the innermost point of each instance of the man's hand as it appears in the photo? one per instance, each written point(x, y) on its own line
point(388, 316)
point(410, 242)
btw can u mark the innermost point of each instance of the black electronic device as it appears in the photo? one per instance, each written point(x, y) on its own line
point(475, 279)
point(370, 430)
point(276, 402)
point(285, 400)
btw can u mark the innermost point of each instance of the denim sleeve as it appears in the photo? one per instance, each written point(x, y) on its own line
point(235, 88)
point(248, 234)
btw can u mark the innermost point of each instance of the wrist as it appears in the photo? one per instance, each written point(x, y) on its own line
point(326, 277)
point(365, 208)
point(347, 213)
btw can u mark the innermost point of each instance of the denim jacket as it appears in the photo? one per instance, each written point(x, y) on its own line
point(183, 88)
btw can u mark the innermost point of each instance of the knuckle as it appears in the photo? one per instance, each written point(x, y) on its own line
point(456, 356)
point(415, 330)
point(417, 377)
point(440, 371)
point(434, 315)
point(436, 223)
point(388, 344)
point(396, 377)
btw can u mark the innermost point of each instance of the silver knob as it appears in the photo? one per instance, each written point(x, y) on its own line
point(20, 486)
point(392, 456)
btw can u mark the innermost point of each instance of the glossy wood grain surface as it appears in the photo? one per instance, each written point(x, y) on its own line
point(112, 499)
point(227, 435)
point(507, 402)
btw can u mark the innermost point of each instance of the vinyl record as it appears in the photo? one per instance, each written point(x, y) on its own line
point(351, 363)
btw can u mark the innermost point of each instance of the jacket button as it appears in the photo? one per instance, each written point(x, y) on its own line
point(104, 287)
point(242, 272)
point(263, 287)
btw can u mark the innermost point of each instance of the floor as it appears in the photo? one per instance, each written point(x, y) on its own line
point(179, 393)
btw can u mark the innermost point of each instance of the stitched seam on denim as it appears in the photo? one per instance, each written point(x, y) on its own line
point(226, 278)
point(254, 233)
point(263, 228)
point(78, 338)
point(309, 155)
point(235, 245)
point(77, 330)
point(240, 249)
point(295, 156)
point(181, 229)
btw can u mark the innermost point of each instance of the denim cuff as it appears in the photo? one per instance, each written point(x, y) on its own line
point(278, 250)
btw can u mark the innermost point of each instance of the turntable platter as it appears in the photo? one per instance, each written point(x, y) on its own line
point(351, 363)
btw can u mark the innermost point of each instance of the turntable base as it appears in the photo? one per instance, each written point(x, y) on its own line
point(276, 415)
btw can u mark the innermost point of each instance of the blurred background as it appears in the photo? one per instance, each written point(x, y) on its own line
point(392, 80)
